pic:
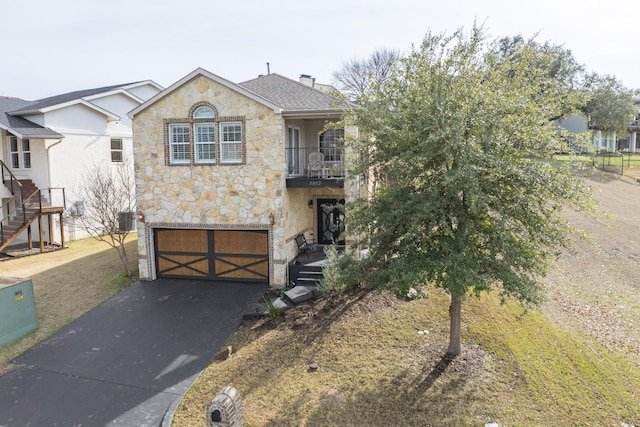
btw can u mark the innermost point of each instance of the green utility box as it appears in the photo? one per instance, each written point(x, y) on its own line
point(17, 309)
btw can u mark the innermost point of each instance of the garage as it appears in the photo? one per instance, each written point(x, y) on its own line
point(212, 254)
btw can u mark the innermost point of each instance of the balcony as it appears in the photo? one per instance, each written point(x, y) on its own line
point(315, 167)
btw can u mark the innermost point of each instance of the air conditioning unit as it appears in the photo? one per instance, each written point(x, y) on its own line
point(126, 221)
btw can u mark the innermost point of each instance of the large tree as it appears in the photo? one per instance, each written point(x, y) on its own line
point(460, 204)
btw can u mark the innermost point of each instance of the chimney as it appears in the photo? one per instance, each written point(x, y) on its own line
point(307, 80)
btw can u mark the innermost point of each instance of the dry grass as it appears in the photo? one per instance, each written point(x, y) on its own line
point(572, 362)
point(66, 283)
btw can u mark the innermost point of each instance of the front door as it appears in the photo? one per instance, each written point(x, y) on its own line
point(330, 221)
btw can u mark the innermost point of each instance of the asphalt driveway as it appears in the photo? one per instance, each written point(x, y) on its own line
point(129, 361)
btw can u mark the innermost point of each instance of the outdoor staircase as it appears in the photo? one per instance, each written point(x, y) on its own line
point(308, 275)
point(27, 205)
point(305, 276)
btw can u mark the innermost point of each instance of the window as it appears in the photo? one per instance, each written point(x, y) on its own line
point(204, 138)
point(26, 154)
point(116, 150)
point(331, 144)
point(20, 149)
point(293, 151)
point(15, 154)
point(231, 142)
point(204, 113)
point(205, 142)
point(179, 144)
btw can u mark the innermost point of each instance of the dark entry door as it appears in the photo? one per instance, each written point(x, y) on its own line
point(213, 254)
point(330, 221)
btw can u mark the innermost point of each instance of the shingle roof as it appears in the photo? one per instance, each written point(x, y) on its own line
point(292, 95)
point(66, 97)
point(22, 127)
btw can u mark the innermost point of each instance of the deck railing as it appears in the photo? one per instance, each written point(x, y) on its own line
point(332, 162)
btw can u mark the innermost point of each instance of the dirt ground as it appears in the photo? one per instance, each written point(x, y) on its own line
point(66, 284)
point(597, 287)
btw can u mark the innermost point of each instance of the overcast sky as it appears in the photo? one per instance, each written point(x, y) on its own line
point(56, 46)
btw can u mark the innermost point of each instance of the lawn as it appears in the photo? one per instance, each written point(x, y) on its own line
point(66, 283)
point(572, 361)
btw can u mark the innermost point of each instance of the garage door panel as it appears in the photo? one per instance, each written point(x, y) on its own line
point(240, 242)
point(183, 265)
point(213, 254)
point(242, 267)
point(183, 241)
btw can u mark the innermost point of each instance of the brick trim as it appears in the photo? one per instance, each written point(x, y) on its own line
point(189, 120)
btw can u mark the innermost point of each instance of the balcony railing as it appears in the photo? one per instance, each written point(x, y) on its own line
point(300, 163)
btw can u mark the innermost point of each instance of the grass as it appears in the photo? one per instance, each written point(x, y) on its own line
point(122, 281)
point(67, 283)
point(375, 369)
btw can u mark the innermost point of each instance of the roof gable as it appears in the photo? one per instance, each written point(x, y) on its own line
point(20, 127)
point(65, 98)
point(202, 72)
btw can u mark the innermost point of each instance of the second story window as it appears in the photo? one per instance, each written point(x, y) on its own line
point(116, 150)
point(205, 142)
point(330, 144)
point(231, 142)
point(179, 144)
point(204, 138)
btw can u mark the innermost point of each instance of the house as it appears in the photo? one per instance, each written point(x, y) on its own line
point(47, 145)
point(227, 175)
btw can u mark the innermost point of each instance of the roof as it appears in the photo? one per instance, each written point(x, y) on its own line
point(202, 72)
point(279, 93)
point(293, 96)
point(19, 126)
point(13, 110)
point(37, 106)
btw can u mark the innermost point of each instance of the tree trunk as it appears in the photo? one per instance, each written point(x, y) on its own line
point(455, 346)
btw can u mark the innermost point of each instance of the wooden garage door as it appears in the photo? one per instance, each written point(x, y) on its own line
point(213, 254)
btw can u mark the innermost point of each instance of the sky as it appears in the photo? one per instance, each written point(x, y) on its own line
point(55, 46)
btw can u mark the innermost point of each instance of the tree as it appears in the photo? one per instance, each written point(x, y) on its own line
point(461, 205)
point(358, 76)
point(610, 105)
point(556, 62)
point(108, 197)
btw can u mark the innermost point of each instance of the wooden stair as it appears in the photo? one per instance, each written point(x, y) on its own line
point(27, 205)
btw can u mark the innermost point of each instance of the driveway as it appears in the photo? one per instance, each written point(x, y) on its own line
point(128, 361)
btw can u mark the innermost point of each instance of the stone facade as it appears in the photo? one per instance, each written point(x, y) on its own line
point(200, 196)
point(251, 194)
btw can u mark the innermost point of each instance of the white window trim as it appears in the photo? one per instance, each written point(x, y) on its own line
point(197, 143)
point(172, 160)
point(223, 143)
point(117, 150)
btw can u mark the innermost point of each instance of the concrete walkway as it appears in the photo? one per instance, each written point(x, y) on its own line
point(129, 361)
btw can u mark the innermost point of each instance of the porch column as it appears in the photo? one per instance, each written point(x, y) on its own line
point(61, 232)
point(613, 141)
point(41, 233)
point(50, 219)
point(633, 142)
point(29, 237)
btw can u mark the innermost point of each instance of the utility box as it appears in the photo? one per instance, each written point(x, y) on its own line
point(225, 409)
point(17, 309)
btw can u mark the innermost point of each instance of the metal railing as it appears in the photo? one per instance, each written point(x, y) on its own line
point(299, 164)
point(19, 209)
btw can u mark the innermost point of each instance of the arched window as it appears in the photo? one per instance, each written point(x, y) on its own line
point(203, 112)
point(330, 144)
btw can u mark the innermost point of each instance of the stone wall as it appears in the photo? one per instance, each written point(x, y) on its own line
point(248, 195)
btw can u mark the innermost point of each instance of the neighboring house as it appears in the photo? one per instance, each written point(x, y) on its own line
point(228, 175)
point(602, 139)
point(50, 143)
